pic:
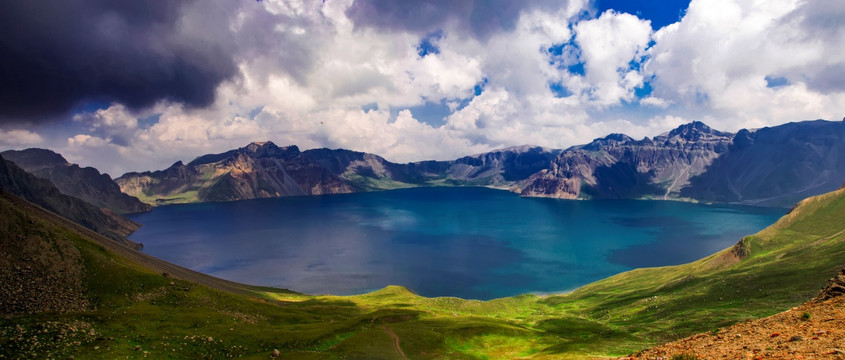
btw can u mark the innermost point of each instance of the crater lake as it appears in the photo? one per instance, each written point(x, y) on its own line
point(473, 243)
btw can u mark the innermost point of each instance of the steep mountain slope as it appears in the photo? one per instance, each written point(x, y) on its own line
point(16, 181)
point(618, 166)
point(778, 268)
point(775, 165)
point(84, 183)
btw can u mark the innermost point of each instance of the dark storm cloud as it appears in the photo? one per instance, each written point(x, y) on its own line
point(55, 55)
point(481, 17)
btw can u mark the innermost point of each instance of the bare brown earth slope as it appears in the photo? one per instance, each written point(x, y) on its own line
point(814, 330)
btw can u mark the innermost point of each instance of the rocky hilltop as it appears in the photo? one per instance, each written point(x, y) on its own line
point(84, 183)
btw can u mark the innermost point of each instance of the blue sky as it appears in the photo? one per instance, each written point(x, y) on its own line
point(137, 85)
point(659, 12)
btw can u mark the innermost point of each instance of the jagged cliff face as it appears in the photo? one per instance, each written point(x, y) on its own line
point(618, 166)
point(84, 183)
point(259, 170)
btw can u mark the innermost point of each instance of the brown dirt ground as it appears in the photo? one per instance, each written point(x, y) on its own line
point(815, 330)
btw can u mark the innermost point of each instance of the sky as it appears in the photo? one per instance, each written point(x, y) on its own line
point(135, 85)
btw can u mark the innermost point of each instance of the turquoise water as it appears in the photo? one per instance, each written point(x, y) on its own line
point(466, 242)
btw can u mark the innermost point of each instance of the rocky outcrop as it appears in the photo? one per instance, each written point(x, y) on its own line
point(71, 179)
point(18, 182)
point(617, 166)
point(835, 287)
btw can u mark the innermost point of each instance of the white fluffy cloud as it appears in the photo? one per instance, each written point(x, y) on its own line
point(608, 45)
point(310, 76)
point(15, 138)
point(717, 60)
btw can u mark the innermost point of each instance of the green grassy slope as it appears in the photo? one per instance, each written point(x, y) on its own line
point(787, 264)
point(128, 309)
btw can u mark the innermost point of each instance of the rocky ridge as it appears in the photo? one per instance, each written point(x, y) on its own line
point(259, 170)
point(18, 182)
point(262, 170)
point(84, 183)
point(775, 166)
point(617, 166)
point(691, 162)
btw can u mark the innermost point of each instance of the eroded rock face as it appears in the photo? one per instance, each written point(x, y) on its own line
point(262, 170)
point(617, 166)
point(259, 170)
point(770, 166)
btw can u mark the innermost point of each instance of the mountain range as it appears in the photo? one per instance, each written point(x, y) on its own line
point(773, 166)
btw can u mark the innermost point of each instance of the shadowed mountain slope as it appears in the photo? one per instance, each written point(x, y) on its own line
point(775, 165)
point(16, 181)
point(84, 183)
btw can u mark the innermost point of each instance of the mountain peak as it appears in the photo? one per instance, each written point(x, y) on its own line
point(693, 131)
point(609, 140)
point(260, 145)
point(269, 149)
point(35, 158)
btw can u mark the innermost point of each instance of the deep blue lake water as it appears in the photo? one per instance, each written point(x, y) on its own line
point(466, 242)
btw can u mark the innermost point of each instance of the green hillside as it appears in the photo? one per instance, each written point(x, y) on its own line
point(121, 305)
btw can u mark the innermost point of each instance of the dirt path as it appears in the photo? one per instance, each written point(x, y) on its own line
point(395, 342)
